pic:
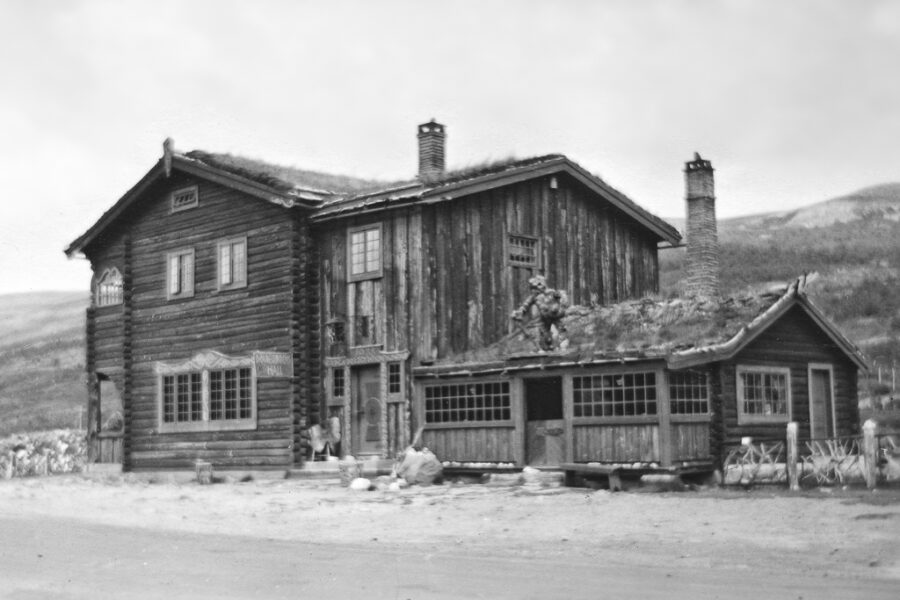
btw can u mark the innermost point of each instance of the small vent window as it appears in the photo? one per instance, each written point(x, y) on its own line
point(184, 199)
point(523, 251)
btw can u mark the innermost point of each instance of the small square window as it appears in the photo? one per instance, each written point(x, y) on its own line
point(523, 251)
point(232, 270)
point(185, 198)
point(364, 252)
point(180, 274)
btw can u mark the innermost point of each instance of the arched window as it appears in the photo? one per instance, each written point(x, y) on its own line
point(109, 288)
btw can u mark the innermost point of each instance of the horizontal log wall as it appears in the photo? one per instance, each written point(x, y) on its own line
point(472, 444)
point(235, 322)
point(794, 341)
point(616, 442)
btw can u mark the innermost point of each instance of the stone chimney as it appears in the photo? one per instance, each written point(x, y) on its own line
point(432, 136)
point(702, 237)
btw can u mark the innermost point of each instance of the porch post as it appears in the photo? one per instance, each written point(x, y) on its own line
point(792, 457)
point(665, 418)
point(870, 452)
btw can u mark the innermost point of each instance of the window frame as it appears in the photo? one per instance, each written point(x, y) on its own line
point(187, 293)
point(333, 377)
point(608, 397)
point(366, 274)
point(673, 386)
point(508, 246)
point(206, 423)
point(119, 296)
point(235, 283)
point(195, 202)
point(745, 418)
point(427, 414)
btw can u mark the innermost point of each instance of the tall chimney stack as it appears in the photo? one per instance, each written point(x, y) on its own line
point(432, 138)
point(702, 236)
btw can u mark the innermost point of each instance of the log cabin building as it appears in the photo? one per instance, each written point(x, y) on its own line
point(235, 304)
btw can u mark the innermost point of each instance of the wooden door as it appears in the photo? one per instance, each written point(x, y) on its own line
point(821, 403)
point(367, 409)
point(545, 440)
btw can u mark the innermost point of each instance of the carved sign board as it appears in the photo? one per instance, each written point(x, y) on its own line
point(273, 364)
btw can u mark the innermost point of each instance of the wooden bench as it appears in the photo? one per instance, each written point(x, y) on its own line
point(610, 472)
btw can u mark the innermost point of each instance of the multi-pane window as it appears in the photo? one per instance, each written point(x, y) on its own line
point(467, 402)
point(180, 273)
point(365, 252)
point(394, 380)
point(109, 288)
point(523, 251)
point(230, 394)
point(184, 199)
point(688, 393)
point(763, 394)
point(232, 263)
point(615, 395)
point(208, 399)
point(182, 399)
point(338, 386)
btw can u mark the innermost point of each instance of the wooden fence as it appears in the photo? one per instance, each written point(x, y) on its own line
point(872, 458)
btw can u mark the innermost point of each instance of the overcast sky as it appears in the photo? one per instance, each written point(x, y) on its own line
point(794, 102)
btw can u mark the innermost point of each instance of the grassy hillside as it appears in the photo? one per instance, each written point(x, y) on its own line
point(851, 242)
point(41, 360)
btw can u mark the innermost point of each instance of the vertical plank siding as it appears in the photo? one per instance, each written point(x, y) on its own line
point(616, 443)
point(690, 441)
point(461, 288)
point(472, 444)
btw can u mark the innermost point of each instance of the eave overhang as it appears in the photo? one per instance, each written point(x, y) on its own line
point(291, 199)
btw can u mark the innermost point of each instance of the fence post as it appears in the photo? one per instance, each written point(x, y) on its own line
point(870, 452)
point(793, 456)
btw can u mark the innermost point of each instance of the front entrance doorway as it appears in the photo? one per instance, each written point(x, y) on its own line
point(367, 408)
point(545, 440)
point(821, 402)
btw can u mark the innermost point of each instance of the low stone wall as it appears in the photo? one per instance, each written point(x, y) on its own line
point(43, 453)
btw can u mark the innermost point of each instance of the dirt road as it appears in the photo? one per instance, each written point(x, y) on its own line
point(71, 538)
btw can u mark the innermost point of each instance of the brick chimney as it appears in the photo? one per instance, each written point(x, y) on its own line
point(432, 136)
point(702, 237)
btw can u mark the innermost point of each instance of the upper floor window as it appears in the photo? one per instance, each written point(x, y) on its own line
point(109, 288)
point(232, 263)
point(523, 251)
point(180, 273)
point(185, 198)
point(763, 394)
point(364, 246)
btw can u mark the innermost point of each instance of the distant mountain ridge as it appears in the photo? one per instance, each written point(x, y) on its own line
point(874, 203)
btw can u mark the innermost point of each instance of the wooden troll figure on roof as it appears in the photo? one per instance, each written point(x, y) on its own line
point(551, 305)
